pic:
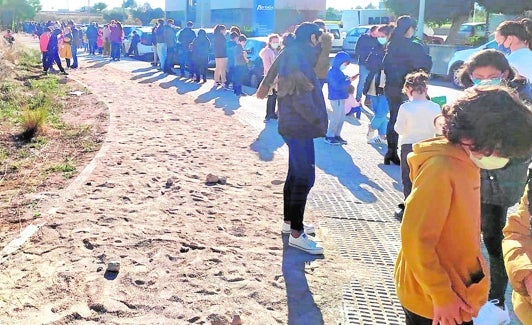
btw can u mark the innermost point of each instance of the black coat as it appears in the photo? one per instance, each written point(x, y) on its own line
point(401, 57)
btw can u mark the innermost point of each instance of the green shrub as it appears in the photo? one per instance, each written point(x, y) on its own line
point(32, 121)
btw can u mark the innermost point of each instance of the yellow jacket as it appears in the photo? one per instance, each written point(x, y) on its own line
point(440, 256)
point(517, 248)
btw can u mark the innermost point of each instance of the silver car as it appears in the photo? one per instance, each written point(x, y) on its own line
point(352, 36)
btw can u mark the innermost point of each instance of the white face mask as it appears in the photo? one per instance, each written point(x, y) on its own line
point(343, 66)
point(490, 162)
point(382, 40)
point(274, 45)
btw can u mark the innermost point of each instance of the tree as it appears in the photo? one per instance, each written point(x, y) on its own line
point(146, 13)
point(333, 14)
point(114, 14)
point(13, 11)
point(129, 4)
point(514, 7)
point(99, 7)
point(437, 11)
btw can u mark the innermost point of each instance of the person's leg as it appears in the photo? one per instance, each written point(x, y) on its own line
point(67, 62)
point(45, 63)
point(335, 119)
point(57, 60)
point(493, 221)
point(363, 71)
point(74, 56)
point(270, 105)
point(162, 54)
point(155, 55)
point(217, 69)
point(223, 71)
point(358, 112)
point(395, 99)
point(405, 169)
point(300, 179)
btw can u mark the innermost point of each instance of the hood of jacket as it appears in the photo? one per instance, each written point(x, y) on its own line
point(426, 149)
point(340, 58)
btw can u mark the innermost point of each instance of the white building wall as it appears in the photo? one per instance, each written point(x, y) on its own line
point(176, 5)
point(301, 5)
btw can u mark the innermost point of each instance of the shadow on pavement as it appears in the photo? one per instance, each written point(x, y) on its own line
point(394, 172)
point(183, 86)
point(301, 306)
point(222, 99)
point(145, 75)
point(335, 161)
point(267, 142)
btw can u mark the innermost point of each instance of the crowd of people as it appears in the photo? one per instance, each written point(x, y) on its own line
point(462, 165)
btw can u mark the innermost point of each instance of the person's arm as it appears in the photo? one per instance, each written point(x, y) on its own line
point(269, 78)
point(517, 248)
point(420, 58)
point(401, 124)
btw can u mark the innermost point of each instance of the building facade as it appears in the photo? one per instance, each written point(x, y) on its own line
point(254, 17)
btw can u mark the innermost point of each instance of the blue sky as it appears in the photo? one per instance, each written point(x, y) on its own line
point(76, 4)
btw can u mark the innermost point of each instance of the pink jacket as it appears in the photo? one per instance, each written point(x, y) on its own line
point(268, 55)
point(44, 40)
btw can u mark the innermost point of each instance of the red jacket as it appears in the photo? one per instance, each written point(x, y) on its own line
point(44, 40)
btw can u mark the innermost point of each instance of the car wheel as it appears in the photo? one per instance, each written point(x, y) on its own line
point(452, 74)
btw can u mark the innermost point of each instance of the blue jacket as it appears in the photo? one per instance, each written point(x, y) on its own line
point(337, 82)
point(302, 111)
point(404, 56)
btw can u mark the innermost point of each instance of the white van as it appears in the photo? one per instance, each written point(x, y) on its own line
point(338, 38)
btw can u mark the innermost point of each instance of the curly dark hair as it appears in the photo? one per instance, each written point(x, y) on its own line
point(416, 82)
point(484, 58)
point(493, 118)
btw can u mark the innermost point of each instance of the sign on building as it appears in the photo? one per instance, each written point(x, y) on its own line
point(263, 17)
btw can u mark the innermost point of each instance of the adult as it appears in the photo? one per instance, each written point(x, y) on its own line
point(92, 35)
point(116, 39)
point(220, 56)
point(231, 43)
point(516, 36)
point(402, 56)
point(200, 55)
point(170, 31)
point(155, 61)
point(186, 36)
point(241, 68)
point(44, 39)
point(365, 44)
point(268, 54)
point(499, 188)
point(161, 44)
point(302, 117)
point(324, 49)
point(134, 46)
point(53, 51)
point(75, 43)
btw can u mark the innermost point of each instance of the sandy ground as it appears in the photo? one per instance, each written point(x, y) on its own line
point(190, 252)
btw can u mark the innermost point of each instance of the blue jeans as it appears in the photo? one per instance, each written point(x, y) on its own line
point(92, 46)
point(361, 80)
point(74, 56)
point(239, 72)
point(379, 121)
point(299, 179)
point(115, 50)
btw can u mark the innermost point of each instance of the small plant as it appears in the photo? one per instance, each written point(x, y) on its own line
point(66, 166)
point(32, 122)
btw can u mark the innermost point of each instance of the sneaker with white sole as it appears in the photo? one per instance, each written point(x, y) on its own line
point(376, 140)
point(491, 314)
point(309, 229)
point(304, 243)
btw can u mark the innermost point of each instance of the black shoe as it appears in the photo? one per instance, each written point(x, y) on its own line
point(340, 140)
point(399, 211)
point(392, 157)
point(64, 73)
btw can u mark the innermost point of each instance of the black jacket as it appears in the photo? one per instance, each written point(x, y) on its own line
point(364, 46)
point(401, 57)
point(220, 46)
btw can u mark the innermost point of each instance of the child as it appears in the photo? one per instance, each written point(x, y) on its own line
point(9, 37)
point(240, 67)
point(352, 106)
point(338, 83)
point(517, 247)
point(440, 273)
point(374, 90)
point(415, 122)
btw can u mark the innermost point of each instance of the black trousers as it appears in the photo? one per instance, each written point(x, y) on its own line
point(270, 105)
point(493, 220)
point(414, 319)
point(405, 169)
point(395, 98)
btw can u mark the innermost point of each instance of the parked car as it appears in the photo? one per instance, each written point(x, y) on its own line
point(352, 36)
point(145, 47)
point(468, 31)
point(338, 40)
point(253, 47)
point(459, 57)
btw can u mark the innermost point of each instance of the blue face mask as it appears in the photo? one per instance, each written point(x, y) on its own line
point(382, 40)
point(487, 82)
point(504, 49)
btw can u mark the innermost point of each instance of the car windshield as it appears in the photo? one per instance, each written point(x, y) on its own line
point(466, 28)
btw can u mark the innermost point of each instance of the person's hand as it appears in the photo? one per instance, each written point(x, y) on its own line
point(450, 313)
point(262, 92)
point(355, 76)
point(528, 284)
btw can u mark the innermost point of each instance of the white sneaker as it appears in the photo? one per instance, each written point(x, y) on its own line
point(491, 314)
point(376, 140)
point(309, 229)
point(305, 244)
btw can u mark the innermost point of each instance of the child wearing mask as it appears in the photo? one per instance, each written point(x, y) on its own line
point(338, 84)
point(441, 276)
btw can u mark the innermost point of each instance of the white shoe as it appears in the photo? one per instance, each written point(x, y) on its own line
point(491, 314)
point(309, 229)
point(304, 243)
point(376, 140)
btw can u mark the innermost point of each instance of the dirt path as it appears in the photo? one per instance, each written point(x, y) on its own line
point(189, 252)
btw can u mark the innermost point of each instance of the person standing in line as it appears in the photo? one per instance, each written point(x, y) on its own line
point(75, 43)
point(415, 122)
point(268, 54)
point(365, 44)
point(517, 248)
point(161, 44)
point(499, 188)
point(241, 68)
point(200, 55)
point(170, 30)
point(325, 46)
point(53, 51)
point(116, 40)
point(65, 46)
point(402, 55)
point(220, 56)
point(92, 35)
point(338, 84)
point(516, 36)
point(186, 36)
point(441, 276)
point(134, 46)
point(302, 117)
point(106, 35)
point(44, 39)
point(155, 61)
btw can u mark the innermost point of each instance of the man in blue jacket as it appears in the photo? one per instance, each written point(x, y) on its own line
point(302, 117)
